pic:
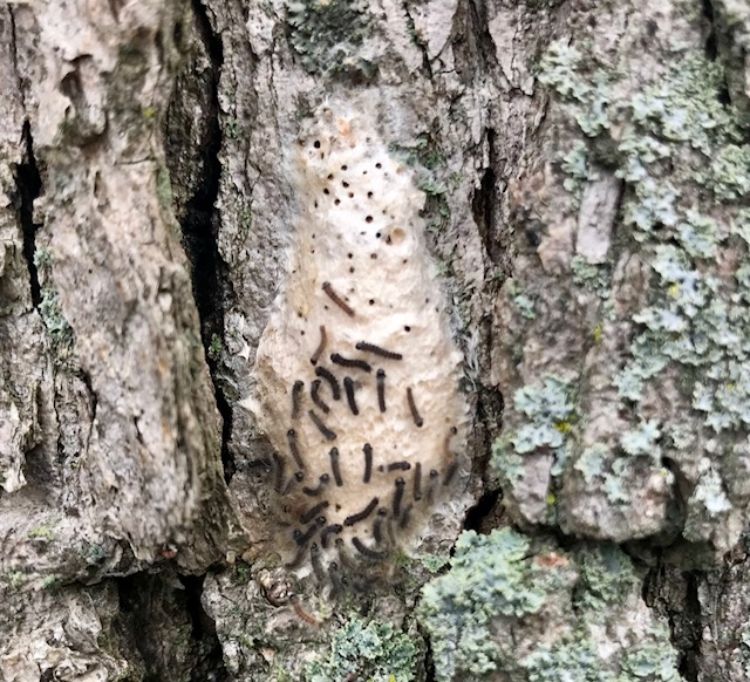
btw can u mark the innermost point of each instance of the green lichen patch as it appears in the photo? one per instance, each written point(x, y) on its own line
point(367, 651)
point(541, 423)
point(58, 329)
point(327, 35)
point(677, 297)
point(485, 617)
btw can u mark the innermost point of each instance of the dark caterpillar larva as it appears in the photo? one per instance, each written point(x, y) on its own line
point(338, 359)
point(321, 346)
point(367, 449)
point(362, 515)
point(324, 430)
point(334, 455)
point(297, 389)
point(311, 513)
point(413, 408)
point(314, 394)
point(366, 551)
point(349, 389)
point(328, 289)
point(291, 437)
point(380, 377)
point(377, 350)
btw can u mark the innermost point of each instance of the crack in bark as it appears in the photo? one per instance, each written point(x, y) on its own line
point(28, 189)
point(419, 43)
point(150, 610)
point(484, 204)
point(711, 40)
point(200, 226)
point(14, 52)
point(690, 652)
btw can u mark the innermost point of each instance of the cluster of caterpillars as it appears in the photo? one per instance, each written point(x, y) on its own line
point(311, 532)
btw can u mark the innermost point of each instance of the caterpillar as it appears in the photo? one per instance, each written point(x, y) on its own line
point(314, 395)
point(328, 289)
point(349, 389)
point(362, 515)
point(323, 373)
point(321, 346)
point(338, 359)
point(413, 407)
point(380, 378)
point(324, 430)
point(367, 449)
point(377, 350)
point(334, 455)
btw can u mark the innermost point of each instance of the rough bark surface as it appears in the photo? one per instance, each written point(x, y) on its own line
point(586, 174)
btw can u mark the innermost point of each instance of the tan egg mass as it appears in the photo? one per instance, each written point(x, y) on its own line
point(357, 371)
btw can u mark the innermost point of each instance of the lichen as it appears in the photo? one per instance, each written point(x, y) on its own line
point(490, 577)
point(543, 421)
point(482, 617)
point(58, 329)
point(681, 151)
point(328, 35)
point(574, 164)
point(368, 651)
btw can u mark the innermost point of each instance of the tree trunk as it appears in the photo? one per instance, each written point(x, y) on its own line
point(516, 236)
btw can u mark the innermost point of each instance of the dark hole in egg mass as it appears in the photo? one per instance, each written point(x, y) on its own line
point(325, 190)
point(315, 203)
point(337, 202)
point(345, 183)
point(369, 195)
point(344, 167)
point(350, 255)
point(407, 328)
point(371, 301)
point(377, 235)
point(351, 195)
point(330, 176)
point(373, 256)
point(378, 165)
point(368, 219)
point(316, 144)
point(351, 270)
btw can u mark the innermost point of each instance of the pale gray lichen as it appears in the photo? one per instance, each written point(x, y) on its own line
point(575, 166)
point(542, 422)
point(683, 283)
point(366, 651)
point(482, 616)
point(643, 440)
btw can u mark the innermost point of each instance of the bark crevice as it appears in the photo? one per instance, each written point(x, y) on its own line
point(201, 222)
point(28, 189)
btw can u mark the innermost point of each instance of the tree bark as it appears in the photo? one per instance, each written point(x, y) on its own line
point(573, 179)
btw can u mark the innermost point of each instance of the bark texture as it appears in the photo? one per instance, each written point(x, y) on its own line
point(586, 174)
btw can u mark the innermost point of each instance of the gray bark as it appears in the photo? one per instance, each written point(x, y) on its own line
point(585, 175)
